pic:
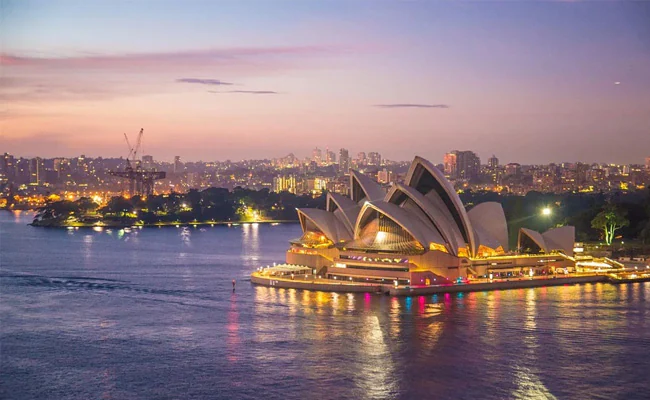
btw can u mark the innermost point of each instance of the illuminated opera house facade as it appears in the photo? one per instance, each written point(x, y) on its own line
point(419, 233)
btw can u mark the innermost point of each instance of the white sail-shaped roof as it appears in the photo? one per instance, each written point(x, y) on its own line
point(326, 222)
point(561, 239)
point(421, 231)
point(364, 188)
point(535, 236)
point(490, 226)
point(437, 216)
point(344, 208)
point(428, 180)
point(555, 239)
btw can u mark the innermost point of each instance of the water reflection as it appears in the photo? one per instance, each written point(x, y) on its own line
point(250, 245)
point(375, 371)
point(233, 340)
point(529, 386)
point(87, 249)
point(186, 236)
point(169, 324)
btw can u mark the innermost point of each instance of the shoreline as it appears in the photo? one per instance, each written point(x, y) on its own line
point(328, 285)
point(118, 225)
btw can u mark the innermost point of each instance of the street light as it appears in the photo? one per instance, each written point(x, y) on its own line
point(546, 211)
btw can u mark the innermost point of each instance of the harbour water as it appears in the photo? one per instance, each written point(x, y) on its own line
point(151, 314)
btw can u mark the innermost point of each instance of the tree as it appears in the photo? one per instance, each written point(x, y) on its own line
point(609, 220)
point(644, 235)
point(85, 205)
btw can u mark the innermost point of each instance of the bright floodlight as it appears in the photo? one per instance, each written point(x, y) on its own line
point(546, 211)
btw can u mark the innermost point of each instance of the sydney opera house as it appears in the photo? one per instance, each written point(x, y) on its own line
point(419, 233)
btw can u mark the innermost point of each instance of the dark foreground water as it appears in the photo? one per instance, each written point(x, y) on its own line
point(151, 314)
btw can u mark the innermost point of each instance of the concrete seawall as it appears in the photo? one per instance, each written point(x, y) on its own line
point(329, 286)
point(317, 286)
point(501, 285)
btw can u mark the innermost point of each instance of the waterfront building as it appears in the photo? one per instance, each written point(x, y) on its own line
point(419, 232)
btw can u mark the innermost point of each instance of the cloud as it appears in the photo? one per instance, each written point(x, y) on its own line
point(29, 77)
point(181, 58)
point(411, 105)
point(203, 81)
point(248, 91)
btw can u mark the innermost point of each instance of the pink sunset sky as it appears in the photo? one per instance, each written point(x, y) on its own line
point(531, 82)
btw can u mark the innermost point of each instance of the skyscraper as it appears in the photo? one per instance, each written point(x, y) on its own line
point(462, 164)
point(147, 162)
point(317, 156)
point(8, 166)
point(361, 158)
point(450, 164)
point(35, 171)
point(647, 163)
point(493, 162)
point(344, 161)
point(178, 165)
point(330, 157)
point(374, 158)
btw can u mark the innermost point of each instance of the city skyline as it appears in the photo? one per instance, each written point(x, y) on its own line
point(485, 160)
point(261, 80)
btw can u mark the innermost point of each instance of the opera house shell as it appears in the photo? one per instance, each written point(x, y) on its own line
point(417, 232)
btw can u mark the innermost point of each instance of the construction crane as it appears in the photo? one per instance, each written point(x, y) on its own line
point(141, 181)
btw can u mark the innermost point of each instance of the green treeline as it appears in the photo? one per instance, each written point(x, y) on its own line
point(577, 209)
point(244, 205)
point(209, 205)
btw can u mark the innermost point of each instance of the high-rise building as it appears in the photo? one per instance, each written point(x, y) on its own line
point(493, 162)
point(8, 166)
point(647, 163)
point(462, 165)
point(581, 173)
point(284, 184)
point(317, 156)
point(330, 157)
point(450, 164)
point(178, 165)
point(361, 158)
point(344, 161)
point(147, 162)
point(35, 171)
point(374, 158)
point(61, 166)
